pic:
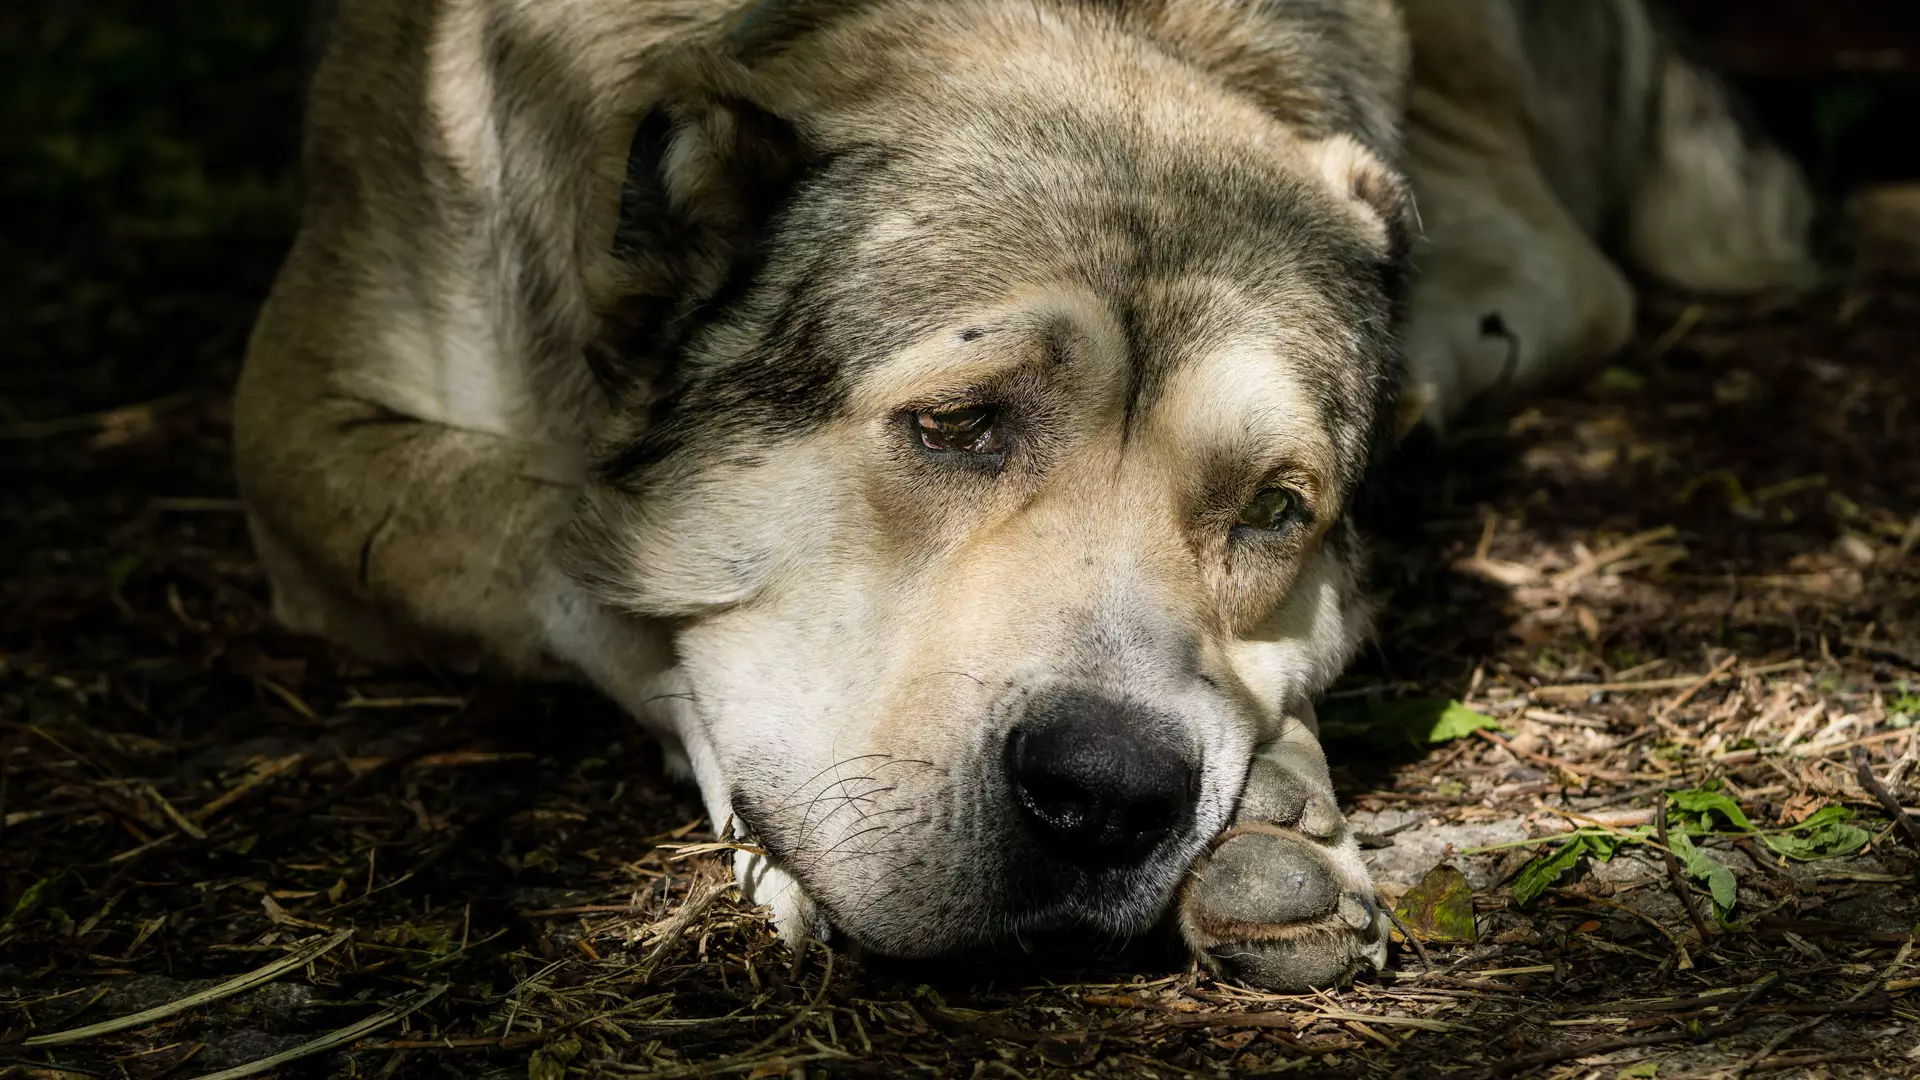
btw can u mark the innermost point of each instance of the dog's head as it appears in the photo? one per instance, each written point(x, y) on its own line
point(1024, 372)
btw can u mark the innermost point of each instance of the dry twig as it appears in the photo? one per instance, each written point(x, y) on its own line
point(1674, 875)
point(1863, 766)
point(259, 976)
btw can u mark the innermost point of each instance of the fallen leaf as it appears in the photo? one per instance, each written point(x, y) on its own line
point(1456, 721)
point(1702, 805)
point(1719, 880)
point(1825, 834)
point(1534, 877)
point(1417, 722)
point(1440, 908)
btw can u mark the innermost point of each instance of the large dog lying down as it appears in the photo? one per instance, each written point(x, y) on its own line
point(935, 418)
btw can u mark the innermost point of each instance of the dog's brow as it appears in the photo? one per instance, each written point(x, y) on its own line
point(1245, 407)
point(970, 355)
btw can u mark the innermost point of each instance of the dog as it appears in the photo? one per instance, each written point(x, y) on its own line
point(938, 420)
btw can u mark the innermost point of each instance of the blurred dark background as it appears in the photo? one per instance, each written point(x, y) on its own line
point(176, 121)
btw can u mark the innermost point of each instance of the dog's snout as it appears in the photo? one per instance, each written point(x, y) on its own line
point(1097, 783)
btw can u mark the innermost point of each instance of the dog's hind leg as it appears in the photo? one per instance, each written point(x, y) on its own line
point(1539, 130)
point(1509, 290)
point(1718, 208)
point(1510, 287)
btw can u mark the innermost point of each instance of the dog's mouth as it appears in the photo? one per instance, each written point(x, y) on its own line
point(1017, 906)
point(1070, 927)
point(1077, 819)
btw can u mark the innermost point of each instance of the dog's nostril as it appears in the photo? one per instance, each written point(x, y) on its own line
point(1097, 785)
point(1064, 804)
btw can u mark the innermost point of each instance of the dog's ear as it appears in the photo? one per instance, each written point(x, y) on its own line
point(1377, 199)
point(709, 168)
point(1370, 189)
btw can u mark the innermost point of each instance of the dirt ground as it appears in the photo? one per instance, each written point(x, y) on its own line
point(1687, 583)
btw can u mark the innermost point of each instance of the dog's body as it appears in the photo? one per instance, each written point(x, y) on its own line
point(935, 418)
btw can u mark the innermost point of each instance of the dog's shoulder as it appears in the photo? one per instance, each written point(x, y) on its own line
point(462, 168)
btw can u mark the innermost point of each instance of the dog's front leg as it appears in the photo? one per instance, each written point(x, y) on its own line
point(1282, 899)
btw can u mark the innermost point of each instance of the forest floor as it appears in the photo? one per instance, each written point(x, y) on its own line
point(1679, 598)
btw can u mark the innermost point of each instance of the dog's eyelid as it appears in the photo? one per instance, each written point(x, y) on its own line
point(950, 404)
point(1294, 477)
point(973, 429)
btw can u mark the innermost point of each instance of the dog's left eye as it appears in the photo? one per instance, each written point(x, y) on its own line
point(1273, 510)
point(972, 430)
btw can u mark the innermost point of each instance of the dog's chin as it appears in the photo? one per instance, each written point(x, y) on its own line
point(1020, 915)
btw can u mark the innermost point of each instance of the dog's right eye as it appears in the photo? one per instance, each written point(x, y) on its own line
point(971, 430)
point(1274, 510)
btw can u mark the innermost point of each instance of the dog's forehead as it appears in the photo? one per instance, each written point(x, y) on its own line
point(1246, 293)
point(1252, 393)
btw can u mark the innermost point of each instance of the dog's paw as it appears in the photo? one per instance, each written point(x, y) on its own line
point(1283, 901)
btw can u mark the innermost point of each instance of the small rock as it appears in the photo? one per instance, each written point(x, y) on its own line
point(1856, 548)
point(280, 1000)
point(144, 992)
point(240, 1047)
point(1418, 849)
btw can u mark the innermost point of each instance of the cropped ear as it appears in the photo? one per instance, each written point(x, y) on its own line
point(1373, 192)
point(708, 170)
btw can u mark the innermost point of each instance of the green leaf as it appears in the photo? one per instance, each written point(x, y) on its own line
point(1719, 880)
point(1617, 380)
point(1417, 722)
point(1825, 834)
point(119, 570)
point(1603, 845)
point(1644, 1070)
point(1533, 878)
point(1440, 908)
point(38, 895)
point(1826, 815)
point(1456, 721)
point(1705, 804)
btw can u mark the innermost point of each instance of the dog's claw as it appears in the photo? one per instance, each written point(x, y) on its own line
point(1283, 900)
point(1357, 911)
point(1322, 819)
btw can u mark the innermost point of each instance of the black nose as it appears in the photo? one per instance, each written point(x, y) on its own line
point(1099, 783)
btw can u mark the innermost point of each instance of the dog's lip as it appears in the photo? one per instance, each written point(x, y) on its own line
point(1037, 895)
point(1082, 905)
